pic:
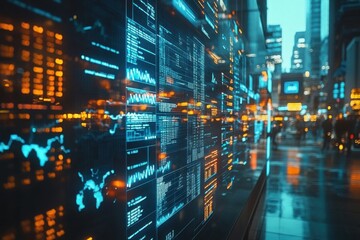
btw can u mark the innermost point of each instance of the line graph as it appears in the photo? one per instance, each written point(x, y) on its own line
point(141, 175)
point(166, 217)
point(135, 74)
point(41, 152)
point(166, 167)
point(142, 98)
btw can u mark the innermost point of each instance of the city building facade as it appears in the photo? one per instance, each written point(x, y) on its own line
point(298, 54)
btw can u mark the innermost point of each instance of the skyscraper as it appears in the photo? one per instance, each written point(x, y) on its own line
point(274, 57)
point(298, 56)
point(343, 27)
point(274, 48)
point(324, 36)
point(313, 37)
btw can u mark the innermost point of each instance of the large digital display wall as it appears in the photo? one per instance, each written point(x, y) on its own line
point(118, 120)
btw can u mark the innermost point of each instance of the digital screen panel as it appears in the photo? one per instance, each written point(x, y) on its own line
point(291, 87)
point(227, 135)
point(141, 119)
point(113, 124)
point(181, 94)
point(211, 141)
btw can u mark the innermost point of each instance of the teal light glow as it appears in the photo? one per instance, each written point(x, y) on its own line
point(92, 186)
point(167, 216)
point(209, 22)
point(185, 10)
point(13, 137)
point(113, 130)
point(106, 48)
point(211, 8)
point(35, 10)
point(138, 75)
point(164, 168)
point(41, 152)
point(138, 176)
point(268, 130)
point(99, 74)
point(99, 62)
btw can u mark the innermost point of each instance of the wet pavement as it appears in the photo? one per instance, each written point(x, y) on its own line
point(311, 194)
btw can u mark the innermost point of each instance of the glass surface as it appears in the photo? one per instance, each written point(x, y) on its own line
point(122, 119)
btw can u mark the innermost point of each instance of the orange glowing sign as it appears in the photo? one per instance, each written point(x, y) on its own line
point(294, 106)
point(355, 93)
point(355, 104)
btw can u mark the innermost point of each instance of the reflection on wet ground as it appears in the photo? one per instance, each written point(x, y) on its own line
point(311, 194)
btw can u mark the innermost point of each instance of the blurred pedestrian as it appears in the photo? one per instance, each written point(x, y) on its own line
point(327, 131)
point(274, 132)
point(351, 131)
point(340, 128)
point(315, 128)
point(299, 126)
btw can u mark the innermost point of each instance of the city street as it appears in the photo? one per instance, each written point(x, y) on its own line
point(310, 194)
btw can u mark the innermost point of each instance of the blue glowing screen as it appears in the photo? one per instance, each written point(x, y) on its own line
point(291, 87)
